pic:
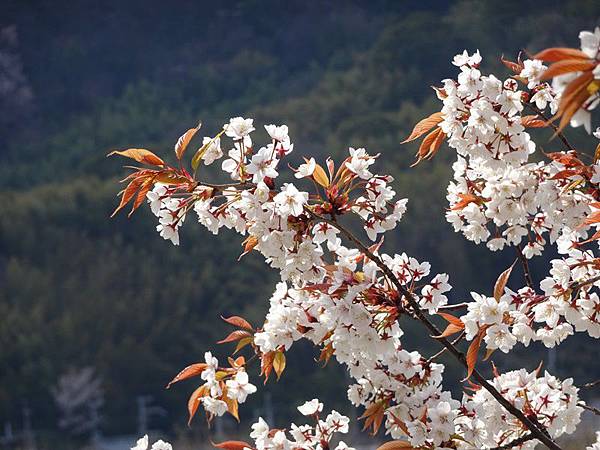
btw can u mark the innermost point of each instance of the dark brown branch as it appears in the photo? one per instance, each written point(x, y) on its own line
point(532, 424)
point(516, 442)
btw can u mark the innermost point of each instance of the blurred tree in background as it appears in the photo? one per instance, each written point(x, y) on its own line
point(78, 79)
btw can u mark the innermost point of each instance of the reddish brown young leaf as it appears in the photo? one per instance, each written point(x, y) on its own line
point(473, 351)
point(326, 354)
point(190, 371)
point(515, 67)
point(533, 121)
point(450, 330)
point(235, 336)
point(232, 445)
point(128, 194)
point(452, 319)
point(266, 365)
point(465, 200)
point(567, 66)
point(396, 445)
point(194, 401)
point(501, 282)
point(429, 145)
point(184, 140)
point(238, 321)
point(141, 195)
point(558, 53)
point(573, 97)
point(424, 126)
point(249, 243)
point(140, 155)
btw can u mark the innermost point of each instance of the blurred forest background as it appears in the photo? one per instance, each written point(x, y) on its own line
point(79, 78)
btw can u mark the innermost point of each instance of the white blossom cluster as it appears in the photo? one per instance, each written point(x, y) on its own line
point(340, 300)
point(334, 293)
point(497, 197)
point(485, 422)
point(237, 387)
point(307, 437)
point(142, 444)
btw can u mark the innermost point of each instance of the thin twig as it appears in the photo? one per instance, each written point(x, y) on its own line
point(589, 408)
point(558, 132)
point(531, 423)
point(453, 307)
point(444, 349)
point(578, 285)
point(591, 384)
point(525, 265)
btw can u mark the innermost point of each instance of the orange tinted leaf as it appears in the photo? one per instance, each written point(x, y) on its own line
point(573, 97)
point(249, 243)
point(450, 330)
point(279, 363)
point(266, 365)
point(396, 445)
point(194, 401)
point(465, 200)
point(320, 176)
point(559, 53)
point(238, 321)
point(232, 405)
point(427, 144)
point(567, 66)
point(141, 195)
point(326, 354)
point(515, 67)
point(501, 282)
point(190, 371)
point(140, 155)
point(184, 140)
point(473, 351)
point(232, 445)
point(234, 336)
point(128, 194)
point(424, 126)
point(533, 122)
point(452, 319)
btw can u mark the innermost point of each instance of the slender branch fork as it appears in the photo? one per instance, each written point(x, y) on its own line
point(536, 429)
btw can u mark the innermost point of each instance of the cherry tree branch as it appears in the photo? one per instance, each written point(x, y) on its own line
point(549, 121)
point(453, 307)
point(589, 408)
point(591, 384)
point(525, 265)
point(531, 423)
point(516, 442)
